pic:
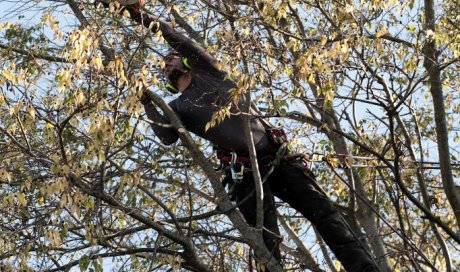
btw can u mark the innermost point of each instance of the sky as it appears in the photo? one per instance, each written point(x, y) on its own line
point(33, 17)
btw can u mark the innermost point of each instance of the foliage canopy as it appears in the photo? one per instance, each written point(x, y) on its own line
point(84, 183)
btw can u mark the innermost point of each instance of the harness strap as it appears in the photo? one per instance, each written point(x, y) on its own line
point(227, 157)
point(279, 156)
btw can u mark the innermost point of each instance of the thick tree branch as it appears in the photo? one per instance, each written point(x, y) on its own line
point(254, 239)
point(442, 133)
point(34, 55)
point(108, 53)
point(189, 253)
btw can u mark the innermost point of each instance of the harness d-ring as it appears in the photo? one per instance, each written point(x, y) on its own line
point(237, 176)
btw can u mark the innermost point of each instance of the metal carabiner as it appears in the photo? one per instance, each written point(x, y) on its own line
point(237, 176)
point(234, 156)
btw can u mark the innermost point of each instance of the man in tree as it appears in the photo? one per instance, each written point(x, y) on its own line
point(204, 89)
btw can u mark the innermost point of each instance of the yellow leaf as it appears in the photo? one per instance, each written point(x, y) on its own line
point(260, 267)
point(80, 98)
point(381, 32)
point(337, 264)
point(323, 40)
point(65, 169)
point(63, 200)
point(311, 79)
point(54, 237)
point(22, 199)
point(56, 158)
point(4, 175)
point(8, 75)
point(349, 161)
point(349, 8)
point(344, 47)
point(208, 125)
point(31, 111)
point(97, 62)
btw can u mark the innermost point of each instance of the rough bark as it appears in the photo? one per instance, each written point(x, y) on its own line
point(442, 136)
point(252, 237)
point(367, 219)
point(305, 255)
point(364, 215)
point(424, 192)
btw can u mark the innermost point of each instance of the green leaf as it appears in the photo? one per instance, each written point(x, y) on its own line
point(83, 263)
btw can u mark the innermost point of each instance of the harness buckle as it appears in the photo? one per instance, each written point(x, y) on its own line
point(237, 176)
point(277, 135)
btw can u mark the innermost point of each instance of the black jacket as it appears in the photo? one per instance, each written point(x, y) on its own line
point(208, 93)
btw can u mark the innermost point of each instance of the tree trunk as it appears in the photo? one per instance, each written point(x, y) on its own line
point(364, 215)
point(442, 136)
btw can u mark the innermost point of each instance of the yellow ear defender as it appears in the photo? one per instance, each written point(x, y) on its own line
point(169, 86)
point(186, 64)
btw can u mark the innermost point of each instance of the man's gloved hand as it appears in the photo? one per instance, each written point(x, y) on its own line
point(144, 98)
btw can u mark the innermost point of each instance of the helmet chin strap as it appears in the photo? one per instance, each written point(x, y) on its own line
point(171, 88)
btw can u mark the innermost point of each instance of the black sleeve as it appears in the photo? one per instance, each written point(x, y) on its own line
point(195, 53)
point(196, 56)
point(167, 135)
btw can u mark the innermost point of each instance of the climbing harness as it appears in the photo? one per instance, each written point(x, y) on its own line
point(277, 135)
point(282, 151)
point(240, 164)
point(237, 164)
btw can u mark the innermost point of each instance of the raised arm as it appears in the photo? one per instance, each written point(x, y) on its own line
point(195, 53)
point(160, 125)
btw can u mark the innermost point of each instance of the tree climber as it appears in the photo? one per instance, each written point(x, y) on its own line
point(204, 89)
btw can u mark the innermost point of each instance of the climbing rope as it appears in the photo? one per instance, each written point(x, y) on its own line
point(371, 207)
point(348, 161)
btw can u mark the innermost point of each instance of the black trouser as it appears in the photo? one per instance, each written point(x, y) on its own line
point(295, 184)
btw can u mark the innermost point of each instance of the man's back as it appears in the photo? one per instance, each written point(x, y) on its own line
point(207, 94)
